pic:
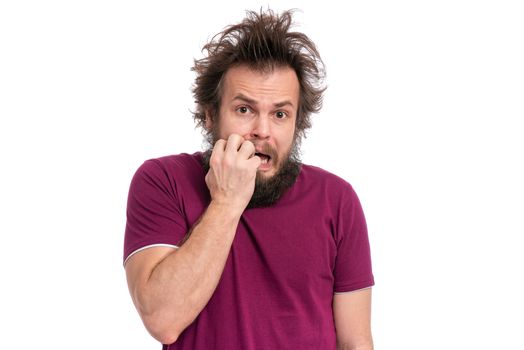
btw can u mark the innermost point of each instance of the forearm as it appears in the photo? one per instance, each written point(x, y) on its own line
point(180, 286)
point(352, 315)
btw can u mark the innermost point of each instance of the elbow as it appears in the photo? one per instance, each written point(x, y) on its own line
point(155, 320)
point(165, 338)
point(161, 322)
point(161, 330)
point(158, 323)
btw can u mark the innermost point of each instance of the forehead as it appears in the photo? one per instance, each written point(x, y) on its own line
point(279, 83)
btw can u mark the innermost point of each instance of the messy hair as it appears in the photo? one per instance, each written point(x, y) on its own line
point(262, 41)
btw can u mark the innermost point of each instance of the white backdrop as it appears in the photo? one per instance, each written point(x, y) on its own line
point(422, 115)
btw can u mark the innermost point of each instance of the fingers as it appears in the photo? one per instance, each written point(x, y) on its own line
point(255, 161)
point(235, 146)
point(232, 174)
point(219, 147)
point(247, 150)
point(234, 142)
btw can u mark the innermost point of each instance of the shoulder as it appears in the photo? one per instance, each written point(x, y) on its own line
point(318, 177)
point(182, 160)
point(171, 165)
point(168, 172)
point(331, 189)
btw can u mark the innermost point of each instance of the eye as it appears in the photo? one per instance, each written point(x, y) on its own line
point(280, 114)
point(243, 109)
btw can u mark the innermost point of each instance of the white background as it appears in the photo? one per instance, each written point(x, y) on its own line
point(422, 115)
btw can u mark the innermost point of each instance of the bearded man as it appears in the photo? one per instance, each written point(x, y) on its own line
point(243, 246)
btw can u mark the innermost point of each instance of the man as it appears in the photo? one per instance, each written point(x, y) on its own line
point(244, 247)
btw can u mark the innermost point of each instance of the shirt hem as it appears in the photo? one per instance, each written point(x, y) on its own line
point(149, 246)
point(355, 286)
point(353, 291)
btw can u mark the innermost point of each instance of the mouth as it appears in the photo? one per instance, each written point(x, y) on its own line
point(268, 156)
point(266, 162)
point(265, 158)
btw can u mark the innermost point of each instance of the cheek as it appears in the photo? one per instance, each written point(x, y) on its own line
point(285, 140)
point(231, 125)
point(290, 134)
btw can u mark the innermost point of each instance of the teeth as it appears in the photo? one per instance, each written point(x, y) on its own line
point(263, 158)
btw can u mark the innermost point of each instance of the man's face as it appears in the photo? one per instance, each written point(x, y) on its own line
point(261, 107)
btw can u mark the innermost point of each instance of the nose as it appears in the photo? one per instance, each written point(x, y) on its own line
point(261, 128)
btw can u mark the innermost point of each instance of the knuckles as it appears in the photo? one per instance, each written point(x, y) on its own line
point(235, 139)
point(220, 142)
point(214, 161)
point(249, 145)
point(228, 162)
point(222, 157)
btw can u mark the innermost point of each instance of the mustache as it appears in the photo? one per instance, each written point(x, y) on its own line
point(267, 149)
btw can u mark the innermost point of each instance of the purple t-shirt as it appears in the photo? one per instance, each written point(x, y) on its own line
point(284, 266)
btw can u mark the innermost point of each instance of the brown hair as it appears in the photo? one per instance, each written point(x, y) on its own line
point(262, 41)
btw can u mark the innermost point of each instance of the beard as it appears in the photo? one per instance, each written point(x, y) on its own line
point(269, 190)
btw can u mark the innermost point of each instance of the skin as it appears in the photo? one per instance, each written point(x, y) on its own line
point(169, 286)
point(262, 109)
point(352, 315)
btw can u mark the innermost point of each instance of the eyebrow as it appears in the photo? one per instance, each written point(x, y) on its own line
point(249, 100)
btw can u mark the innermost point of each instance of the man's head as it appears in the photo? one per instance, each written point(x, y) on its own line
point(261, 81)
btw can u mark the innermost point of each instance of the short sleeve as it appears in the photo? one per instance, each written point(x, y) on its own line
point(353, 262)
point(153, 210)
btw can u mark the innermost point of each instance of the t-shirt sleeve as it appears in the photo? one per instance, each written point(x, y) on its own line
point(353, 263)
point(153, 211)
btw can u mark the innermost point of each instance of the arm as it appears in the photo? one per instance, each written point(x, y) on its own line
point(170, 287)
point(352, 314)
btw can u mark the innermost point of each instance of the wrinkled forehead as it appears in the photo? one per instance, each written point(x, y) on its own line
point(280, 82)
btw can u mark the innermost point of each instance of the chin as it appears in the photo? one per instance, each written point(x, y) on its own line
point(266, 174)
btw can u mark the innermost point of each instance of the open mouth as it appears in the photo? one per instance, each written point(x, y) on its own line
point(265, 158)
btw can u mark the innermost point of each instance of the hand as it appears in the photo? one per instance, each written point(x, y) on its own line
point(232, 173)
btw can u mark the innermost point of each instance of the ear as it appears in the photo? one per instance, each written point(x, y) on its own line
point(208, 122)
